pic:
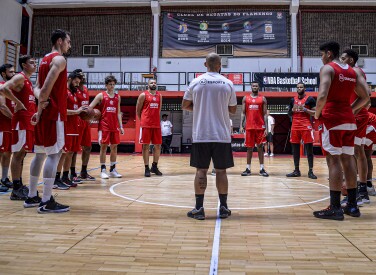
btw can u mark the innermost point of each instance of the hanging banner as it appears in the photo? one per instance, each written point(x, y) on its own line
point(236, 78)
point(261, 33)
point(287, 80)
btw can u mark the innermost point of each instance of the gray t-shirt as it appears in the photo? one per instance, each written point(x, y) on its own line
point(211, 94)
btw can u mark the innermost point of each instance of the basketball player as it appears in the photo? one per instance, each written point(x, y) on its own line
point(350, 57)
point(369, 148)
point(148, 109)
point(337, 84)
point(254, 112)
point(22, 129)
point(110, 124)
point(301, 109)
point(85, 132)
point(49, 121)
point(211, 97)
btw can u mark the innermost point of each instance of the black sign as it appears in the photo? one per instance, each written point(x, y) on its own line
point(261, 33)
point(287, 80)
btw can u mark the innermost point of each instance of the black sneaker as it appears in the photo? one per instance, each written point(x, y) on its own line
point(7, 183)
point(58, 184)
point(147, 172)
point(68, 182)
point(197, 214)
point(331, 213)
point(154, 169)
point(3, 188)
point(351, 210)
point(311, 175)
point(52, 206)
point(86, 177)
point(224, 212)
point(75, 179)
point(25, 190)
point(263, 173)
point(294, 174)
point(246, 172)
point(18, 195)
point(32, 202)
point(344, 202)
point(364, 196)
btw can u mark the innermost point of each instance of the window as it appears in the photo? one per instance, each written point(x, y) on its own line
point(224, 49)
point(361, 49)
point(90, 50)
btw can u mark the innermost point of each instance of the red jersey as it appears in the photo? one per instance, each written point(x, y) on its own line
point(372, 119)
point(58, 96)
point(71, 127)
point(337, 109)
point(109, 109)
point(150, 113)
point(300, 119)
point(254, 111)
point(6, 122)
point(363, 113)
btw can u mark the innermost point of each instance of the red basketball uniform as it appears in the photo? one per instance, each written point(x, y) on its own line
point(337, 119)
point(85, 128)
point(6, 128)
point(22, 129)
point(150, 131)
point(301, 129)
point(72, 142)
point(108, 124)
point(370, 140)
point(255, 123)
point(49, 132)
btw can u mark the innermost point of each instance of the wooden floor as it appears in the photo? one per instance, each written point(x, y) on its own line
point(138, 225)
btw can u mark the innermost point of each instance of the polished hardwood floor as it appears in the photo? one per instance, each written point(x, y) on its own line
point(137, 225)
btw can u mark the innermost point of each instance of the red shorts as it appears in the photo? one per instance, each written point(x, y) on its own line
point(302, 135)
point(360, 132)
point(85, 135)
point(106, 137)
point(72, 144)
point(338, 140)
point(22, 139)
point(5, 142)
point(49, 136)
point(150, 135)
point(253, 137)
point(370, 140)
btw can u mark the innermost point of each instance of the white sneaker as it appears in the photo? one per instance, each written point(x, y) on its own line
point(266, 154)
point(371, 191)
point(104, 174)
point(272, 155)
point(115, 174)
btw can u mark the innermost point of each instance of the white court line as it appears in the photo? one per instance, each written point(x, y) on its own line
point(113, 192)
point(216, 241)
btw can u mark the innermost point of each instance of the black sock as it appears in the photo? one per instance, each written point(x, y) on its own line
point(21, 181)
point(335, 198)
point(73, 171)
point(58, 175)
point(84, 169)
point(296, 155)
point(309, 150)
point(154, 164)
point(223, 199)
point(362, 187)
point(369, 183)
point(103, 166)
point(351, 196)
point(147, 167)
point(65, 174)
point(16, 184)
point(112, 167)
point(199, 201)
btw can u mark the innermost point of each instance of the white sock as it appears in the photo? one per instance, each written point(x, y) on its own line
point(47, 188)
point(248, 166)
point(33, 183)
point(113, 163)
point(261, 166)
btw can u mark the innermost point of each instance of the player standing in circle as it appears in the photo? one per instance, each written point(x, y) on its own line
point(148, 109)
point(22, 129)
point(301, 109)
point(110, 124)
point(49, 120)
point(337, 84)
point(254, 112)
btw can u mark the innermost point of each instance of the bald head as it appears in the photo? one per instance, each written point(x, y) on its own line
point(213, 62)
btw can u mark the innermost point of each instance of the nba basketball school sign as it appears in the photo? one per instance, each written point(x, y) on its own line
point(261, 33)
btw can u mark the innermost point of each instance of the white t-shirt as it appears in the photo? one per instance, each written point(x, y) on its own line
point(271, 122)
point(211, 94)
point(166, 128)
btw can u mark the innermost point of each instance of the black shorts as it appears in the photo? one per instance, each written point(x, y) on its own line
point(269, 137)
point(203, 153)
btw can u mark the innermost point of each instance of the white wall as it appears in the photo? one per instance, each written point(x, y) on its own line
point(10, 24)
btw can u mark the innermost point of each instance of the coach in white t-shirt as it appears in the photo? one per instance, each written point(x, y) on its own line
point(211, 97)
point(166, 129)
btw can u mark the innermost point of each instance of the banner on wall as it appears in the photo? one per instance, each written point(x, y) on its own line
point(236, 78)
point(261, 33)
point(287, 80)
